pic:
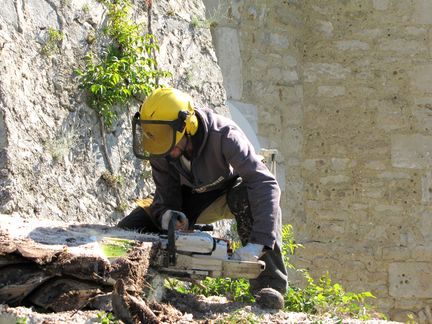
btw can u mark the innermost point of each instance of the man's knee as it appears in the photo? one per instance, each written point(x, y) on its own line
point(139, 220)
point(238, 203)
point(237, 198)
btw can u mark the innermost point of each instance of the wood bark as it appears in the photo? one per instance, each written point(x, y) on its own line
point(62, 269)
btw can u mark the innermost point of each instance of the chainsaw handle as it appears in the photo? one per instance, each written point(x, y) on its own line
point(175, 216)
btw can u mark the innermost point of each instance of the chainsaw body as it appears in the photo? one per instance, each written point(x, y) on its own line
point(197, 255)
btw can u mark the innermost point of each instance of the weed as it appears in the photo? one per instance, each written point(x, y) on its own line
point(322, 297)
point(241, 317)
point(53, 42)
point(125, 69)
point(86, 8)
point(122, 206)
point(113, 180)
point(22, 320)
point(212, 19)
point(61, 146)
point(288, 244)
point(106, 318)
point(65, 3)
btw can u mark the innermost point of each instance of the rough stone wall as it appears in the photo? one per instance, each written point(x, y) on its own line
point(51, 164)
point(343, 90)
point(367, 122)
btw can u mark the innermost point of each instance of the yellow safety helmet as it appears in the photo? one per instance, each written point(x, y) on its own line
point(164, 118)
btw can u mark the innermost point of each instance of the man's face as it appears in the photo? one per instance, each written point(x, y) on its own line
point(178, 150)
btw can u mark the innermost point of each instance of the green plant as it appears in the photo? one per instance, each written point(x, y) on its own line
point(106, 318)
point(61, 146)
point(86, 8)
point(126, 68)
point(288, 244)
point(122, 206)
point(113, 180)
point(241, 317)
point(233, 289)
point(212, 19)
point(322, 297)
point(53, 42)
point(21, 320)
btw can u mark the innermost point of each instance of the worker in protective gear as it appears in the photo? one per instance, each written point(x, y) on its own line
point(205, 169)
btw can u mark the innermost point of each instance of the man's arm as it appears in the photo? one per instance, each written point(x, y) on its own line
point(263, 189)
point(168, 194)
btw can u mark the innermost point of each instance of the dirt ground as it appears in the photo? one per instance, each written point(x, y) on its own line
point(177, 308)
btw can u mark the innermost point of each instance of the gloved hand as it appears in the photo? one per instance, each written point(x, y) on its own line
point(182, 221)
point(249, 252)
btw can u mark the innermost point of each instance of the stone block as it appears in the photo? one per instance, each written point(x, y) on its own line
point(279, 42)
point(331, 91)
point(403, 46)
point(351, 45)
point(425, 224)
point(335, 179)
point(229, 59)
point(422, 12)
point(426, 185)
point(422, 253)
point(422, 112)
point(410, 279)
point(380, 4)
point(327, 71)
point(411, 151)
point(421, 78)
point(324, 27)
point(396, 253)
point(388, 117)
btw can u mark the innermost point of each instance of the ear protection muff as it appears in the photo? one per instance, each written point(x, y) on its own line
point(191, 120)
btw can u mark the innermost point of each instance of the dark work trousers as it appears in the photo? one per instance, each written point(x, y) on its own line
point(275, 274)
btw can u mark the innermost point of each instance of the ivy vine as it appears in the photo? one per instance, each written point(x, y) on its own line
point(125, 69)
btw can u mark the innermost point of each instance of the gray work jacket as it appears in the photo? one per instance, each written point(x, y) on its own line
point(224, 154)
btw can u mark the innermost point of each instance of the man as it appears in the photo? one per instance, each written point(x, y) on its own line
point(205, 169)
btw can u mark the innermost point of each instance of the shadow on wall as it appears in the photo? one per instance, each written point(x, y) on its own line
point(244, 124)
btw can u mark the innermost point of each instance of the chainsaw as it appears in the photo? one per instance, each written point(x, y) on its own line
point(196, 254)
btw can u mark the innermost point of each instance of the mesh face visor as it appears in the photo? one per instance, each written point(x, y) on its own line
point(153, 138)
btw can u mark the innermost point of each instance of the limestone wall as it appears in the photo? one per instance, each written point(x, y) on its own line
point(343, 89)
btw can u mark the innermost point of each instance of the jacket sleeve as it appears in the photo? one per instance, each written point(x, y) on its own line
point(263, 189)
point(168, 190)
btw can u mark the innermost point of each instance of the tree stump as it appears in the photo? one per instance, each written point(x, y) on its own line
point(59, 267)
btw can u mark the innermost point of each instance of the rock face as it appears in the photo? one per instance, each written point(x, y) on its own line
point(51, 163)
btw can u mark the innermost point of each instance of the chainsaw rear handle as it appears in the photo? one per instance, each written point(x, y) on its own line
point(175, 216)
point(171, 247)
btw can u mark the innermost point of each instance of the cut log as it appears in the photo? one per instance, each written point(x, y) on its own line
point(16, 282)
point(60, 267)
point(64, 295)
